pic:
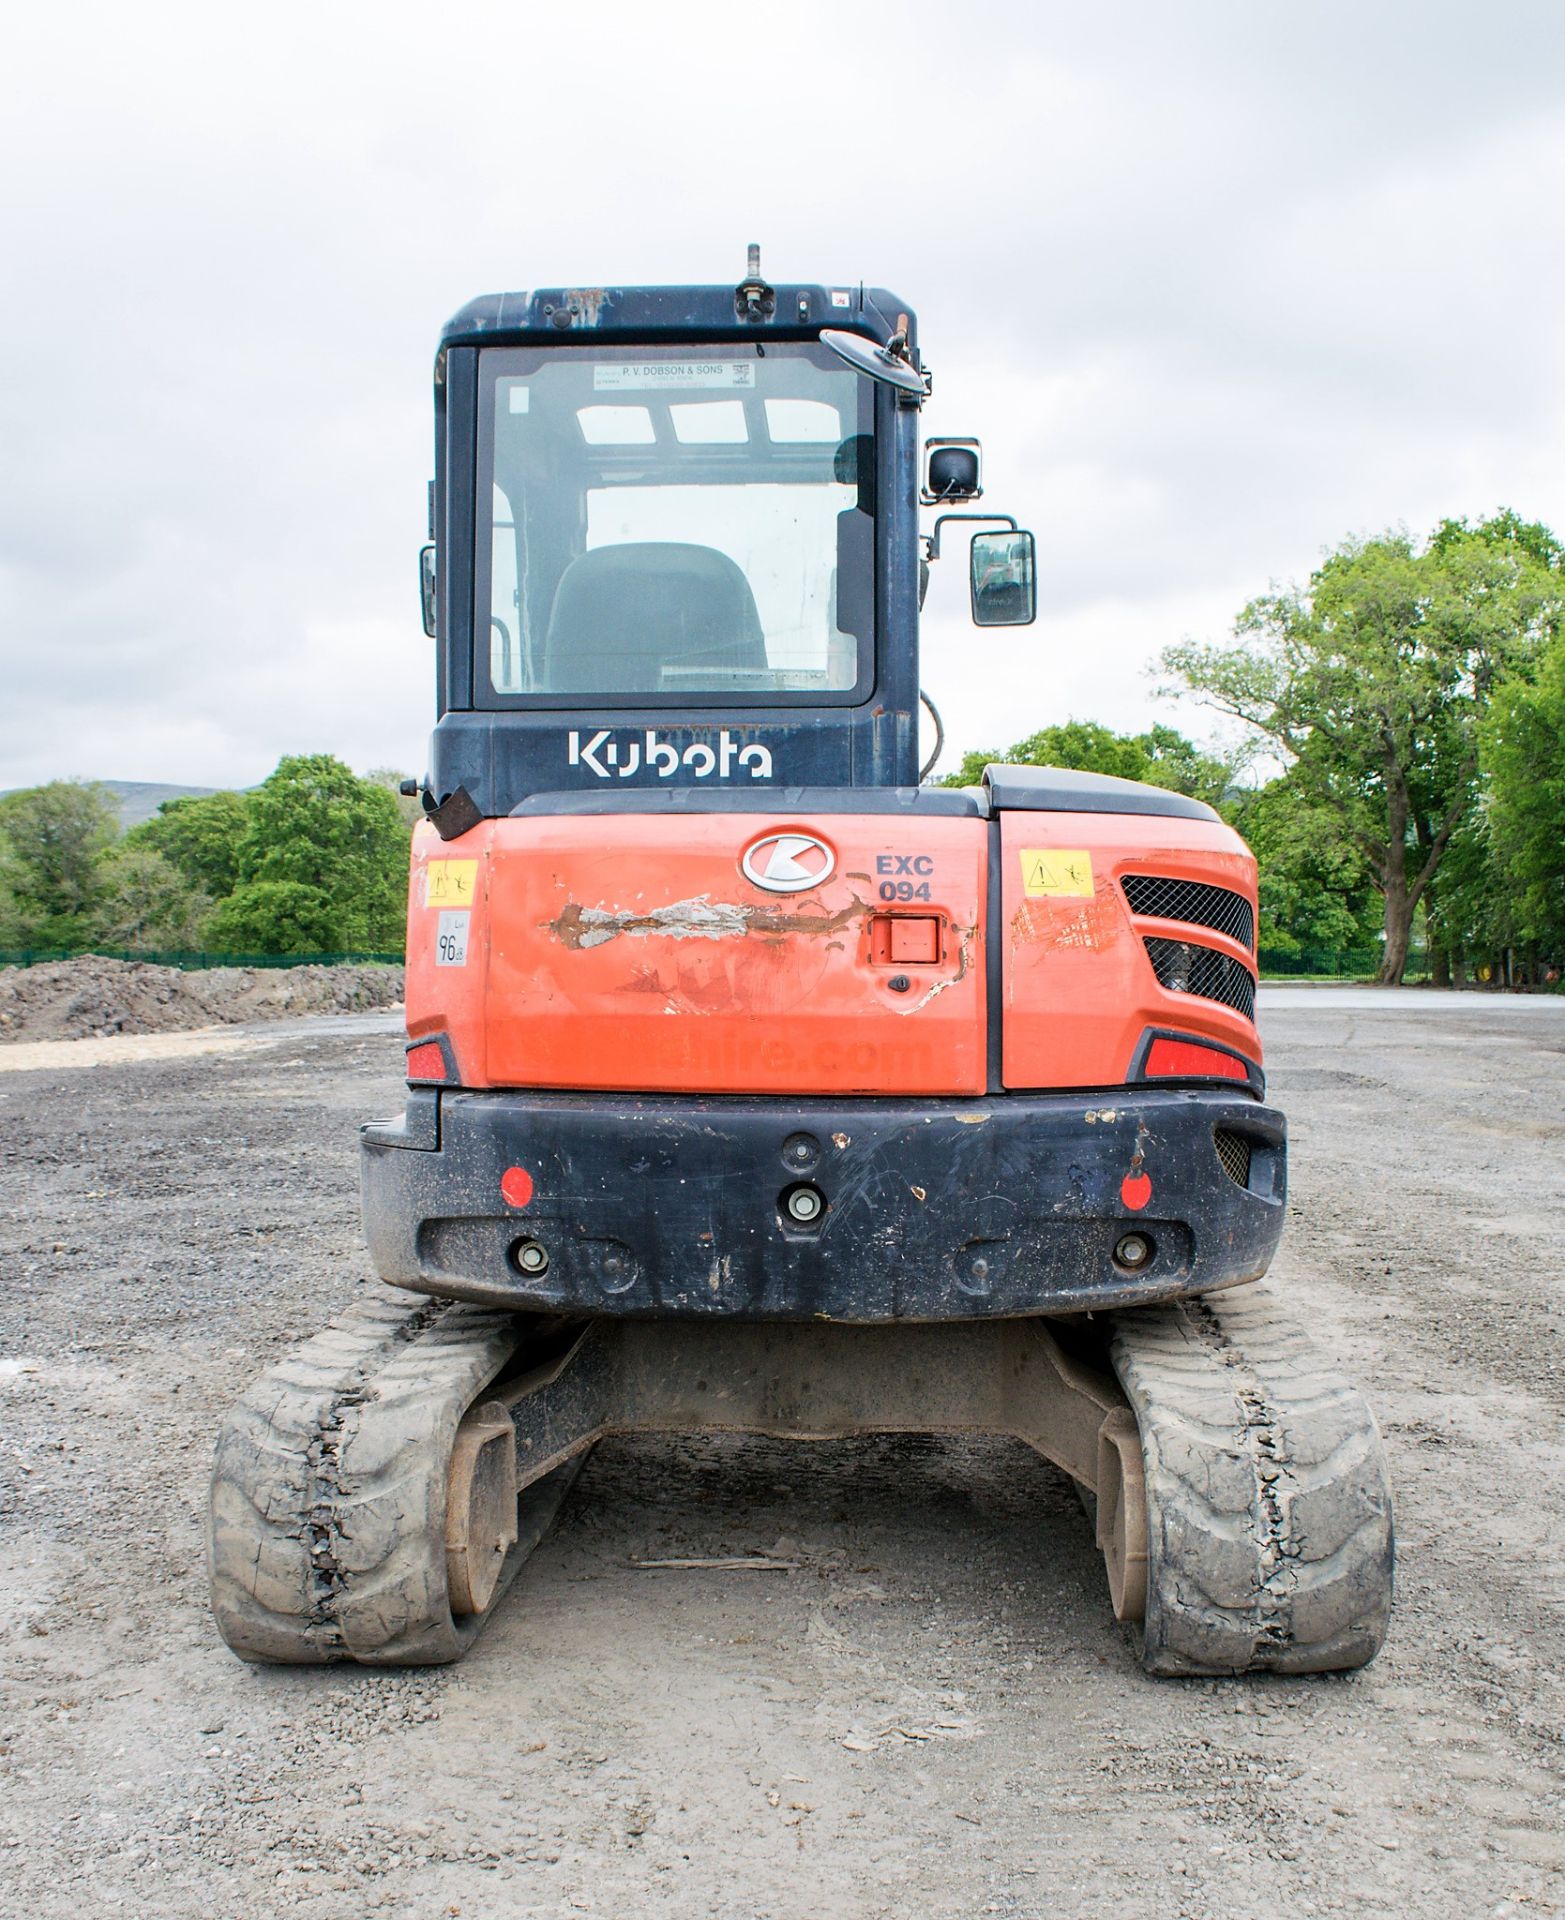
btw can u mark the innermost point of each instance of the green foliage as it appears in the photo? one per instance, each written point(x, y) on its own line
point(1161, 757)
point(1317, 895)
point(1504, 529)
point(147, 902)
point(54, 838)
point(314, 825)
point(15, 924)
point(275, 916)
point(200, 837)
point(1523, 743)
point(1371, 682)
point(314, 860)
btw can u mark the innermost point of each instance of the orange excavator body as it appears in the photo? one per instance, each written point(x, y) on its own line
point(632, 952)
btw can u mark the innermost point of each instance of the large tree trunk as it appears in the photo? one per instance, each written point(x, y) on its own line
point(1399, 935)
point(1399, 899)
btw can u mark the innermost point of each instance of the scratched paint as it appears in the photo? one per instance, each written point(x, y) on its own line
point(700, 918)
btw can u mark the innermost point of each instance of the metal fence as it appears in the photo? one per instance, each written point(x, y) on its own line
point(195, 962)
point(1361, 965)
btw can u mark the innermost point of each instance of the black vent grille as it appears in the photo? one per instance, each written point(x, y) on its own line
point(1183, 967)
point(1234, 1152)
point(1202, 904)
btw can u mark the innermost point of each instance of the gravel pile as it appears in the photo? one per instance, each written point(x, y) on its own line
point(88, 996)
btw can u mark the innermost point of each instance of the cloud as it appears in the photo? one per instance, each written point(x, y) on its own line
point(1218, 284)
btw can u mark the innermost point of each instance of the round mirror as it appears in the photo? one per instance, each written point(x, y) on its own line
point(867, 358)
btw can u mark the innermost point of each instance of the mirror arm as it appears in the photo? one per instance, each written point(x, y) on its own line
point(932, 538)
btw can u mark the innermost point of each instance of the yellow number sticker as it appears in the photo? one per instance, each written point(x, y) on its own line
point(450, 883)
point(1050, 872)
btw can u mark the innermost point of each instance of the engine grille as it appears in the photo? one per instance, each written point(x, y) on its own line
point(1234, 1152)
point(1194, 900)
point(1182, 966)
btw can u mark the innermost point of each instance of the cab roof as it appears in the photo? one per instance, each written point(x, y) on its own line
point(685, 313)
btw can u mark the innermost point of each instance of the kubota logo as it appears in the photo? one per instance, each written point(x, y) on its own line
point(788, 862)
point(609, 757)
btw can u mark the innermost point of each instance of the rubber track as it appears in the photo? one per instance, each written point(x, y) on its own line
point(1268, 1500)
point(326, 1527)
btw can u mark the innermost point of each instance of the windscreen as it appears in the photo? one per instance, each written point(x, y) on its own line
point(674, 524)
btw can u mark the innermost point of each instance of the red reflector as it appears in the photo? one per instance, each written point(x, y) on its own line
point(426, 1061)
point(1183, 1059)
point(1135, 1190)
point(516, 1186)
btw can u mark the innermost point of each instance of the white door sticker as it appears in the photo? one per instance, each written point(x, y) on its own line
point(451, 938)
point(673, 376)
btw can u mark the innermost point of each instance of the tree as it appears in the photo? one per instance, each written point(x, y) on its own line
point(1523, 750)
point(1161, 757)
point(55, 836)
point(15, 922)
point(147, 902)
point(201, 836)
point(1316, 892)
point(1371, 682)
point(276, 916)
point(313, 824)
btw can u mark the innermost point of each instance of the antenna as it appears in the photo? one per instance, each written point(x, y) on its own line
point(753, 298)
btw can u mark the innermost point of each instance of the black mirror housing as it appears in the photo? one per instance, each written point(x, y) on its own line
point(426, 587)
point(1003, 575)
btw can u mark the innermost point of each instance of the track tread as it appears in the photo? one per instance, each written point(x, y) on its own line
point(1268, 1502)
point(326, 1533)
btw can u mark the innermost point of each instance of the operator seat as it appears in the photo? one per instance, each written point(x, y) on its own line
point(623, 613)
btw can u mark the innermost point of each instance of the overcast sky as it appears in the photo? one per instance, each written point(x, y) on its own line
point(1217, 283)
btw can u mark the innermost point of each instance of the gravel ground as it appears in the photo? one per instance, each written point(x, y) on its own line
point(934, 1716)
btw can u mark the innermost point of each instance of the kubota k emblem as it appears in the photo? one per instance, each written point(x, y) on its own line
point(788, 862)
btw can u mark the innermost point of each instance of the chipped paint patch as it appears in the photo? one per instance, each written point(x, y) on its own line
point(700, 918)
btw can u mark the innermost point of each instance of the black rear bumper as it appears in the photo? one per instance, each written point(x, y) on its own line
point(933, 1210)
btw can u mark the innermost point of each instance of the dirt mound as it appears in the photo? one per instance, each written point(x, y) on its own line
point(75, 999)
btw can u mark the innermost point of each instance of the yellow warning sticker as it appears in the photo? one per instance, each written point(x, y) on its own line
point(1056, 871)
point(450, 883)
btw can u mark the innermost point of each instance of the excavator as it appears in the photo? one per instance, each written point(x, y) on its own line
point(754, 1084)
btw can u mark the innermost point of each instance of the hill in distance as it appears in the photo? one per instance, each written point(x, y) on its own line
point(140, 799)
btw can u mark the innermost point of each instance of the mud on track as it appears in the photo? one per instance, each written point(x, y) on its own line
point(933, 1716)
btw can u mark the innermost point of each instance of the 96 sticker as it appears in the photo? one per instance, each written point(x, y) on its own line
point(451, 938)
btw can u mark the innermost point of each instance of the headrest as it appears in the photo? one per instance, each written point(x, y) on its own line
point(623, 613)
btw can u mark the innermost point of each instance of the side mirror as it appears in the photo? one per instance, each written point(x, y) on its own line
point(426, 587)
point(1003, 578)
point(878, 363)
